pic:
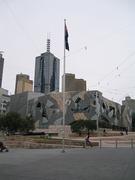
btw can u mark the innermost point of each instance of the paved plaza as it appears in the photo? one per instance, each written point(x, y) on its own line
point(74, 164)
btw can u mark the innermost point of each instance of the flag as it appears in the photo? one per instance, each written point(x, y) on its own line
point(66, 38)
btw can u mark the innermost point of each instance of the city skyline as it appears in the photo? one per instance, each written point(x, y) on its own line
point(101, 39)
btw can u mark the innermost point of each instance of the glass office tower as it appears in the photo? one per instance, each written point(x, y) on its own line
point(1, 68)
point(46, 73)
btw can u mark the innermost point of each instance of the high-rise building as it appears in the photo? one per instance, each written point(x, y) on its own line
point(23, 83)
point(1, 68)
point(46, 72)
point(73, 84)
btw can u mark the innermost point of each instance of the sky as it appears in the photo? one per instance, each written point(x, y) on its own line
point(101, 40)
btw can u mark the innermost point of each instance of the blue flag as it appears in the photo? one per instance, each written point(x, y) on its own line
point(66, 38)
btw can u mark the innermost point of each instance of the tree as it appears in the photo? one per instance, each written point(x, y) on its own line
point(77, 126)
point(12, 122)
point(104, 124)
point(27, 124)
point(133, 121)
point(81, 125)
point(90, 125)
point(1, 121)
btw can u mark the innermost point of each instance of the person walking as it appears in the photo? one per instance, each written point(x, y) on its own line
point(88, 142)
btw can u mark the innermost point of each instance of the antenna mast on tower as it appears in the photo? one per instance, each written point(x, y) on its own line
point(48, 42)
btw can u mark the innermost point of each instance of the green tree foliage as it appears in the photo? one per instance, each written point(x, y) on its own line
point(77, 126)
point(133, 121)
point(12, 122)
point(1, 122)
point(81, 125)
point(104, 124)
point(90, 125)
point(27, 124)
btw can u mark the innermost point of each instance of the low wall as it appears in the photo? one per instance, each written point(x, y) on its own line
point(49, 143)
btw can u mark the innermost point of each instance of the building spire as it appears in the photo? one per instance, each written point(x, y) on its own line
point(48, 42)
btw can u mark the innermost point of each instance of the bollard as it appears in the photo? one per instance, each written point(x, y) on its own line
point(116, 143)
point(100, 144)
point(84, 144)
point(132, 143)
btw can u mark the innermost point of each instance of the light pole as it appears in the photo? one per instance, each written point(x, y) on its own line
point(97, 112)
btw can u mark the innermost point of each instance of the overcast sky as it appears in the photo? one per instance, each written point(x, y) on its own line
point(105, 27)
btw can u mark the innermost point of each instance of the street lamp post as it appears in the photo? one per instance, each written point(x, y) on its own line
point(97, 112)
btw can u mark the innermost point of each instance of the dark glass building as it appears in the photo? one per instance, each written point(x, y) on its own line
point(46, 73)
point(1, 68)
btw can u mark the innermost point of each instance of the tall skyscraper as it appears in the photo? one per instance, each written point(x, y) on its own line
point(1, 68)
point(46, 72)
point(23, 83)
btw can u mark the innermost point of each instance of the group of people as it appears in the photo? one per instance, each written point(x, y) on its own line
point(3, 147)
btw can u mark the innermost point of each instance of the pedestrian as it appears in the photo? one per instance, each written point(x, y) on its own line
point(104, 132)
point(88, 142)
point(126, 131)
point(3, 147)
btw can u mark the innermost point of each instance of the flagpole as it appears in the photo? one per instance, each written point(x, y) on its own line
point(63, 88)
point(97, 122)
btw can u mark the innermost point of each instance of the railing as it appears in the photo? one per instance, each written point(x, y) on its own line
point(116, 143)
point(100, 142)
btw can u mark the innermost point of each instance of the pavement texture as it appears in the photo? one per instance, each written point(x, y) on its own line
point(74, 164)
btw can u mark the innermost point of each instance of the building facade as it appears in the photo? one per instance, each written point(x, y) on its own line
point(73, 84)
point(23, 83)
point(1, 68)
point(4, 101)
point(128, 112)
point(87, 105)
point(19, 103)
point(47, 68)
